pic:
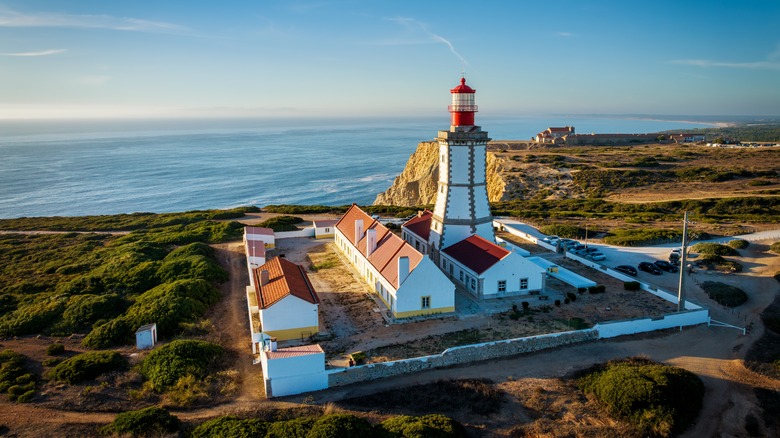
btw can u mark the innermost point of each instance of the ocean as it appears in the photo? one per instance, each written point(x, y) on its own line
point(74, 168)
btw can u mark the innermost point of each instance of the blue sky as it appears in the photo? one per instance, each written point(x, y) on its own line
point(366, 58)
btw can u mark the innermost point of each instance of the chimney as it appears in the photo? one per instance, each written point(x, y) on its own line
point(264, 277)
point(273, 344)
point(370, 241)
point(403, 269)
point(358, 230)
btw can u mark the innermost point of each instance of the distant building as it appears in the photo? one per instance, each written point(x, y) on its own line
point(324, 228)
point(287, 302)
point(408, 283)
point(686, 137)
point(554, 135)
point(146, 336)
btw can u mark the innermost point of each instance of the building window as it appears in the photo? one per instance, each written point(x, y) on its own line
point(426, 302)
point(502, 285)
point(523, 283)
point(473, 284)
point(461, 276)
point(327, 230)
point(417, 245)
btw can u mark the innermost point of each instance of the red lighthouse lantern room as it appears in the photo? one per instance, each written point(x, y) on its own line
point(463, 106)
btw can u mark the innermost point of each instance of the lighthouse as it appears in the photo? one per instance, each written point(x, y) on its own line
point(462, 208)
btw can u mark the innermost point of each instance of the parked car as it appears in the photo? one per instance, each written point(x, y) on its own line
point(630, 270)
point(569, 244)
point(649, 267)
point(577, 248)
point(674, 256)
point(666, 266)
point(595, 256)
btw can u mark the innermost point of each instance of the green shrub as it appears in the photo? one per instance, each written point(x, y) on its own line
point(151, 421)
point(87, 366)
point(32, 316)
point(55, 349)
point(117, 331)
point(340, 426)
point(526, 305)
point(427, 426)
point(193, 249)
point(571, 296)
point(718, 263)
point(164, 366)
point(724, 294)
point(231, 426)
point(714, 249)
point(192, 267)
point(598, 289)
point(281, 223)
point(15, 379)
point(658, 399)
point(169, 304)
point(561, 230)
point(738, 243)
point(775, 247)
point(295, 428)
point(631, 285)
point(82, 311)
point(641, 236)
point(358, 356)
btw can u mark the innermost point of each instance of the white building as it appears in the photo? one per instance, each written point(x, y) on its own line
point(408, 282)
point(255, 256)
point(293, 370)
point(417, 230)
point(324, 228)
point(487, 270)
point(265, 235)
point(287, 302)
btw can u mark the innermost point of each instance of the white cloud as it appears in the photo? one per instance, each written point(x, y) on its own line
point(565, 34)
point(39, 53)
point(9, 18)
point(772, 62)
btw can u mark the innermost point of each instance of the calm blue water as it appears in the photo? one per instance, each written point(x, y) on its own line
point(104, 167)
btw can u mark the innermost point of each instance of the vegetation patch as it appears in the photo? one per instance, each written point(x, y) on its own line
point(475, 396)
point(724, 294)
point(281, 223)
point(641, 236)
point(175, 362)
point(232, 426)
point(561, 230)
point(340, 426)
point(148, 422)
point(631, 285)
point(15, 379)
point(738, 243)
point(707, 248)
point(658, 399)
point(718, 263)
point(775, 247)
point(87, 366)
point(432, 425)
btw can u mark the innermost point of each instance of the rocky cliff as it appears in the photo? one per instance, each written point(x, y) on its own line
point(418, 182)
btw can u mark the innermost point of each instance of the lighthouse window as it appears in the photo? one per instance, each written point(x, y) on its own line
point(502, 285)
point(426, 302)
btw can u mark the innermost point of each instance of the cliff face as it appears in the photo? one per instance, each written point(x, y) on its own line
point(418, 182)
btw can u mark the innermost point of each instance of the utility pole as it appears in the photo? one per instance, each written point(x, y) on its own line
point(683, 258)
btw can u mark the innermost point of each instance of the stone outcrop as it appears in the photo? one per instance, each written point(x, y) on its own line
point(418, 182)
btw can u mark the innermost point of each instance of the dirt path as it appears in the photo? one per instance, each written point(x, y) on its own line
point(232, 324)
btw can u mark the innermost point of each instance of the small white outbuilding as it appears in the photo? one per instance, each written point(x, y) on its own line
point(146, 336)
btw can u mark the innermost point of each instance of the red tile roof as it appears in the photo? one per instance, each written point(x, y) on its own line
point(389, 247)
point(325, 223)
point(476, 253)
point(285, 278)
point(302, 350)
point(258, 230)
point(420, 224)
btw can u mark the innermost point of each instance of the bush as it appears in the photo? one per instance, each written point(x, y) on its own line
point(164, 366)
point(738, 243)
point(82, 311)
point(658, 399)
point(55, 349)
point(775, 247)
point(15, 379)
point(714, 249)
point(192, 267)
point(525, 305)
point(151, 421)
point(598, 289)
point(281, 223)
point(295, 428)
point(641, 236)
point(231, 426)
point(558, 303)
point(428, 426)
point(631, 285)
point(340, 426)
point(87, 366)
point(117, 331)
point(571, 296)
point(724, 294)
point(568, 231)
point(718, 263)
point(31, 317)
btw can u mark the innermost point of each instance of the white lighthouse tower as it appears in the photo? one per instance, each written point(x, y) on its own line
point(462, 208)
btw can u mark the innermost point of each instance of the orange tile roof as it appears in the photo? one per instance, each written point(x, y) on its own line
point(301, 350)
point(476, 253)
point(420, 224)
point(284, 278)
point(388, 249)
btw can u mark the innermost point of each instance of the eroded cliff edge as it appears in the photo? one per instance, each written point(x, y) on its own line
point(417, 184)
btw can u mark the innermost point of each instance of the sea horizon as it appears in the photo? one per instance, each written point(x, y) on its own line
point(112, 166)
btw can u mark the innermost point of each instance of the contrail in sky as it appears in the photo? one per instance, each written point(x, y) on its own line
point(449, 44)
point(409, 23)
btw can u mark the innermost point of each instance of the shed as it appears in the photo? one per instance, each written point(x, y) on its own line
point(324, 228)
point(146, 336)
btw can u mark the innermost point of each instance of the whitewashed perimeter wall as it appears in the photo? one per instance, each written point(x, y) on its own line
point(306, 232)
point(641, 325)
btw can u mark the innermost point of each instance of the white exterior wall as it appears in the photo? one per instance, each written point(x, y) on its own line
point(324, 231)
point(372, 277)
point(480, 157)
point(294, 375)
point(144, 340)
point(290, 312)
point(425, 280)
point(459, 203)
point(459, 164)
point(268, 240)
point(416, 241)
point(511, 269)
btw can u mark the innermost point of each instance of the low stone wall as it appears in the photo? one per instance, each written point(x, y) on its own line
point(458, 355)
